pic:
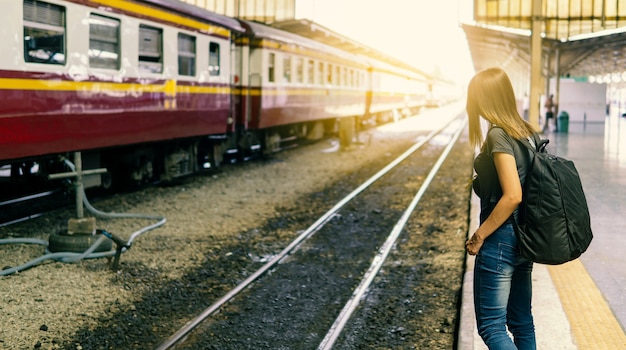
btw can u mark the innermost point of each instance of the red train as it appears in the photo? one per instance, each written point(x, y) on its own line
point(159, 89)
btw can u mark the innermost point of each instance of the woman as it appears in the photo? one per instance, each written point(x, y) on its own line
point(502, 277)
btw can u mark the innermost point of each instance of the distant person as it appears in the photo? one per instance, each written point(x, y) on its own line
point(549, 105)
point(526, 106)
point(502, 277)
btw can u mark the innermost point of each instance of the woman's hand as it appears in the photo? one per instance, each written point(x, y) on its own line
point(473, 244)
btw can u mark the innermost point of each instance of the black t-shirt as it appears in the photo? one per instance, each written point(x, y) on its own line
point(488, 186)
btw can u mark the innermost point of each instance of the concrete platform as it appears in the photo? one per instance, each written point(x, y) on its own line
point(581, 304)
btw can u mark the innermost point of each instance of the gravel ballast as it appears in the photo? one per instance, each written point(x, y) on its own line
point(220, 226)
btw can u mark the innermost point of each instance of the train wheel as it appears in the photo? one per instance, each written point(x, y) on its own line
point(106, 180)
point(144, 173)
point(112, 179)
point(218, 155)
point(249, 145)
point(272, 142)
point(315, 132)
point(62, 242)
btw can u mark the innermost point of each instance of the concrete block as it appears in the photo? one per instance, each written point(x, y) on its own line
point(85, 226)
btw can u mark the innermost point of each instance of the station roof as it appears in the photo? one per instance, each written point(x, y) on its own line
point(594, 56)
point(590, 39)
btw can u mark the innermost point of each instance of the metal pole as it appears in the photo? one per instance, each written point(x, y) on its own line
point(78, 163)
point(557, 87)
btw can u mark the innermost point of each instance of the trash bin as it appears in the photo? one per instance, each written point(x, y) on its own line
point(563, 122)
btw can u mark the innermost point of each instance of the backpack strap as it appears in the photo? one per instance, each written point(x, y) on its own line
point(535, 143)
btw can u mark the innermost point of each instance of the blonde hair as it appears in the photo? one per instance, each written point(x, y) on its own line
point(490, 95)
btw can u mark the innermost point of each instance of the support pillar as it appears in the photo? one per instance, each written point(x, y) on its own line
point(80, 224)
point(536, 87)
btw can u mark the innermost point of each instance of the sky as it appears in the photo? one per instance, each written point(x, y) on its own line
point(423, 33)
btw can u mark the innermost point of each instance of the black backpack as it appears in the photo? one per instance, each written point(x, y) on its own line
point(553, 226)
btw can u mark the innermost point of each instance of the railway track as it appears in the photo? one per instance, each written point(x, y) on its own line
point(32, 205)
point(350, 241)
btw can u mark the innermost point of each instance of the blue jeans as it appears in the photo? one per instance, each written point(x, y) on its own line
point(503, 293)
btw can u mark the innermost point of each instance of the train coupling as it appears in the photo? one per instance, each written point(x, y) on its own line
point(120, 245)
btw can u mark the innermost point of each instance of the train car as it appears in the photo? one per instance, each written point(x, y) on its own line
point(158, 89)
point(442, 92)
point(104, 76)
point(394, 92)
point(293, 87)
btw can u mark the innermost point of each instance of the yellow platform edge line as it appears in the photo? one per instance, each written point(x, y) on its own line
point(592, 322)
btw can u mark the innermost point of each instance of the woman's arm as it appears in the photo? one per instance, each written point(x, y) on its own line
point(511, 198)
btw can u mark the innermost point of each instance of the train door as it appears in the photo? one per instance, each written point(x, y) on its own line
point(237, 123)
point(240, 79)
point(235, 93)
point(245, 138)
point(253, 98)
point(368, 95)
point(255, 85)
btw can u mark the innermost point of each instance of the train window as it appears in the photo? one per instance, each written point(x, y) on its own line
point(214, 58)
point(287, 68)
point(320, 73)
point(271, 70)
point(299, 71)
point(150, 49)
point(44, 32)
point(104, 42)
point(186, 55)
point(311, 72)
